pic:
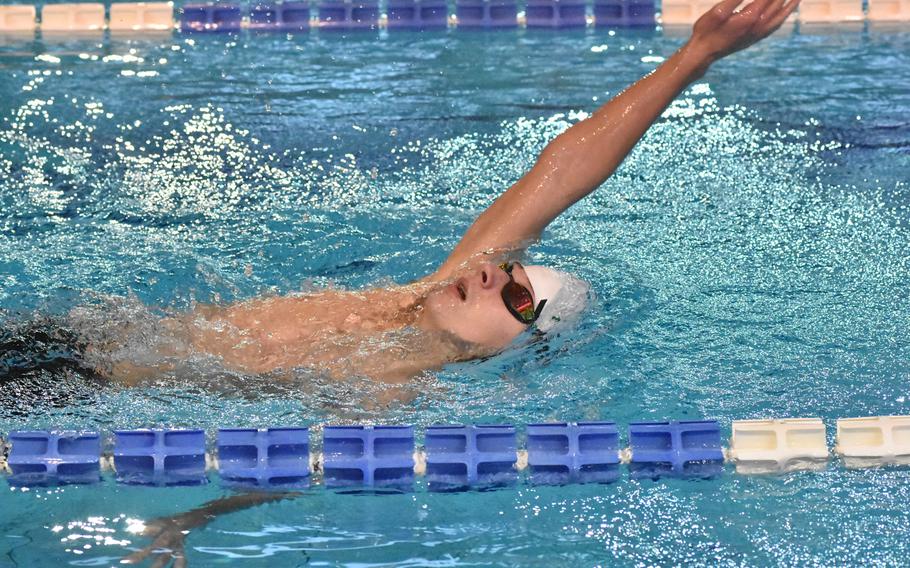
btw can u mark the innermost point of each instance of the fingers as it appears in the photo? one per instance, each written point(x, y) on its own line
point(772, 10)
point(162, 560)
point(754, 10)
point(777, 18)
point(164, 551)
point(180, 557)
point(725, 8)
point(162, 556)
point(137, 557)
point(784, 12)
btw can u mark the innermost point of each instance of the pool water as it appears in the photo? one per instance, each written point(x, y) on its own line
point(749, 260)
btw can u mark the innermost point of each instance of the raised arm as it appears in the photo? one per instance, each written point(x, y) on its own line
point(580, 159)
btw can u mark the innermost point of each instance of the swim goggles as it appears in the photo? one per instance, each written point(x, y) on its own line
point(518, 299)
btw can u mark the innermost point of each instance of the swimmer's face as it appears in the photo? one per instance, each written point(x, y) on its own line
point(472, 308)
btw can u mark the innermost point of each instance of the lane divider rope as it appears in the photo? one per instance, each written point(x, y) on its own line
point(451, 455)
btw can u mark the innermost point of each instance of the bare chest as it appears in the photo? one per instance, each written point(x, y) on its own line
point(338, 332)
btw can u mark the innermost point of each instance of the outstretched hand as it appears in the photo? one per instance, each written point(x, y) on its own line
point(167, 545)
point(723, 30)
point(168, 532)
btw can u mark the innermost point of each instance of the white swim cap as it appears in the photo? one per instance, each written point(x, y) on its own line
point(566, 296)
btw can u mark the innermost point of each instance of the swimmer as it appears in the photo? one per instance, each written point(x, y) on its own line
point(480, 299)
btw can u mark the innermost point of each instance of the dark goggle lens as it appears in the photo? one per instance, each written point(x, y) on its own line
point(519, 299)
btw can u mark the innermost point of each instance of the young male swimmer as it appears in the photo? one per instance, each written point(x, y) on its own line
point(479, 300)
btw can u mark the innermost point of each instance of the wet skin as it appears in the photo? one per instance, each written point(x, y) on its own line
point(390, 334)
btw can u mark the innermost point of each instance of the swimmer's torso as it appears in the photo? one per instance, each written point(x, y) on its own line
point(341, 333)
point(382, 333)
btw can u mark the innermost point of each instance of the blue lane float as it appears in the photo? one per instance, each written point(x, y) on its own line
point(417, 14)
point(573, 453)
point(486, 13)
point(685, 448)
point(211, 18)
point(453, 457)
point(348, 15)
point(368, 456)
point(44, 458)
point(462, 456)
point(273, 457)
point(160, 457)
point(624, 13)
point(283, 17)
point(556, 14)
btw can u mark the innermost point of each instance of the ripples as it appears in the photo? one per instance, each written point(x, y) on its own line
point(716, 251)
point(801, 518)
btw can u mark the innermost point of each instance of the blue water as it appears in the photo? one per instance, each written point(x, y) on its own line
point(749, 259)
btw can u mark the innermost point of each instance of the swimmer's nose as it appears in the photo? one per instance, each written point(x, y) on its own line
point(488, 275)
